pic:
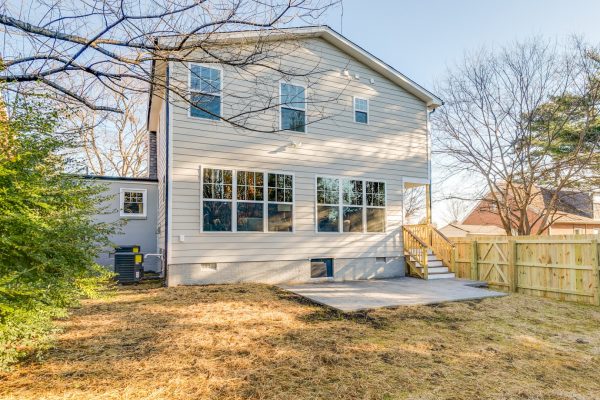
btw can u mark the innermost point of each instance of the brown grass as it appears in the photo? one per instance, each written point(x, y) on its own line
point(258, 342)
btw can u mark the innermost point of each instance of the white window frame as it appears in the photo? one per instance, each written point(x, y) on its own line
point(341, 205)
point(234, 201)
point(190, 91)
point(281, 106)
point(122, 212)
point(354, 98)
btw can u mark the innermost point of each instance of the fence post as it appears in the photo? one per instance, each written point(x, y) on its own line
point(596, 271)
point(512, 265)
point(474, 266)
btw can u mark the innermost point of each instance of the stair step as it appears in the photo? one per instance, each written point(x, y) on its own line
point(449, 275)
point(435, 270)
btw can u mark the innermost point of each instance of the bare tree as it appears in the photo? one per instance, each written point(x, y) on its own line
point(455, 210)
point(114, 143)
point(501, 124)
point(414, 204)
point(82, 51)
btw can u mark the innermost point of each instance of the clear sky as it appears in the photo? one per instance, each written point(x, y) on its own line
point(422, 38)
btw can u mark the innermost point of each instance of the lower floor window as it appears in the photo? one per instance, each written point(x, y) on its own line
point(350, 205)
point(321, 268)
point(237, 201)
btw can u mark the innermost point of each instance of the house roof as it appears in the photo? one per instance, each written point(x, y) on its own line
point(335, 39)
point(464, 230)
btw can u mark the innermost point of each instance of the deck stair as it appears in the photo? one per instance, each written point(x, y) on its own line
point(428, 253)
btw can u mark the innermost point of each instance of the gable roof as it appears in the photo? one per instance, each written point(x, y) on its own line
point(332, 37)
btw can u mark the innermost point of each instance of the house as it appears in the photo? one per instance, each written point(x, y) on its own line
point(455, 230)
point(134, 203)
point(314, 190)
point(577, 212)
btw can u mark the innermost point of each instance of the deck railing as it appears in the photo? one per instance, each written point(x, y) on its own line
point(416, 251)
point(435, 240)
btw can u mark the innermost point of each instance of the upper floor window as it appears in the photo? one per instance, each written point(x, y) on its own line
point(238, 201)
point(205, 92)
point(133, 202)
point(293, 107)
point(361, 110)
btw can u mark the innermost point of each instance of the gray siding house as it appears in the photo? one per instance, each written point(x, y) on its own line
point(311, 188)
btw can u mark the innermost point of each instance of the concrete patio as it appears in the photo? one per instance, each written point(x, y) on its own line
point(362, 295)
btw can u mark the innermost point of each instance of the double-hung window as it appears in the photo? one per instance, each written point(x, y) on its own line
point(375, 195)
point(205, 92)
point(237, 201)
point(328, 204)
point(350, 205)
point(361, 110)
point(250, 201)
point(217, 195)
point(293, 107)
point(133, 202)
point(281, 199)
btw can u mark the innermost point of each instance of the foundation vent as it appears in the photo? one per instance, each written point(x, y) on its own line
point(209, 266)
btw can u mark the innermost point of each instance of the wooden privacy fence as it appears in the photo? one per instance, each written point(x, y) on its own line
point(559, 267)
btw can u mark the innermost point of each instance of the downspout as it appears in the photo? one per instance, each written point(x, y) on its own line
point(166, 176)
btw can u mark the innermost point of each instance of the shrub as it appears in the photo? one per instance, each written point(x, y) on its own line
point(48, 238)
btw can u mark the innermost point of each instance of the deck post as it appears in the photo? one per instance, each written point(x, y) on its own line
point(474, 266)
point(428, 203)
point(512, 265)
point(596, 271)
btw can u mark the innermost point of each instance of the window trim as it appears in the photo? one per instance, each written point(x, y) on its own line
point(234, 200)
point(281, 82)
point(122, 203)
point(368, 111)
point(189, 89)
point(364, 207)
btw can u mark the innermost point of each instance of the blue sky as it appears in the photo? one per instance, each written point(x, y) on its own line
point(422, 37)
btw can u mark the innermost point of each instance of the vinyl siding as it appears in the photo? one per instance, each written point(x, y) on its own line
point(393, 145)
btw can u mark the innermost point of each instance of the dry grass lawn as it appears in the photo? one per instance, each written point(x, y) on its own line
point(258, 342)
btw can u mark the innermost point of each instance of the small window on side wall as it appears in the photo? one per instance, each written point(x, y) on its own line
point(361, 110)
point(133, 202)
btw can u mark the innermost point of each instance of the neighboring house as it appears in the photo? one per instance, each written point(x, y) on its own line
point(456, 230)
point(322, 198)
point(134, 201)
point(578, 213)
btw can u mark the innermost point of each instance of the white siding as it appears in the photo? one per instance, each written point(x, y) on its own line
point(392, 145)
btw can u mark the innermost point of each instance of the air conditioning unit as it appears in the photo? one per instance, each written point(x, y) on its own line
point(129, 267)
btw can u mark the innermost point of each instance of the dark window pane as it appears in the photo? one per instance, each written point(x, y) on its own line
point(205, 106)
point(258, 194)
point(259, 179)
point(280, 195)
point(287, 195)
point(241, 178)
point(272, 194)
point(328, 218)
point(242, 193)
point(292, 120)
point(375, 219)
point(250, 217)
point(288, 181)
point(376, 194)
point(133, 208)
point(321, 268)
point(272, 180)
point(217, 216)
point(353, 219)
point(361, 117)
point(280, 217)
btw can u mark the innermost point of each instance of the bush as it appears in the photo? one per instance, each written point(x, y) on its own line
point(48, 238)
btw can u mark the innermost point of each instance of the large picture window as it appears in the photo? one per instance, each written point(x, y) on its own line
point(205, 92)
point(293, 107)
point(350, 205)
point(237, 201)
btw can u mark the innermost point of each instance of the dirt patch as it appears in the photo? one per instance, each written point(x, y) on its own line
point(257, 342)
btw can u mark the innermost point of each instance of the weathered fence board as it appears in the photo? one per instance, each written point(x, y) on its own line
point(559, 267)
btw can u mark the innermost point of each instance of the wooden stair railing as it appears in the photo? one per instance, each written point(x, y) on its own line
point(415, 251)
point(435, 240)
